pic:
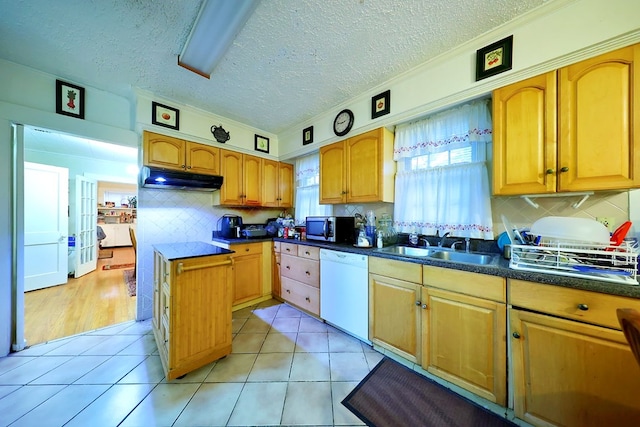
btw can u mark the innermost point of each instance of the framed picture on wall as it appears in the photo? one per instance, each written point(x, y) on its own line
point(69, 99)
point(163, 115)
point(262, 143)
point(494, 59)
point(381, 104)
point(307, 135)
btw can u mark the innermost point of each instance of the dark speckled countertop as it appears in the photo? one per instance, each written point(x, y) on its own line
point(173, 251)
point(499, 267)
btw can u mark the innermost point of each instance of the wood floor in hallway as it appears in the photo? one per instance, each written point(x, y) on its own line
point(95, 300)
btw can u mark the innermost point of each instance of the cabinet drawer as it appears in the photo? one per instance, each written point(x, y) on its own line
point(303, 270)
point(576, 304)
point(288, 248)
point(276, 246)
point(309, 252)
point(464, 282)
point(301, 295)
point(246, 249)
point(406, 271)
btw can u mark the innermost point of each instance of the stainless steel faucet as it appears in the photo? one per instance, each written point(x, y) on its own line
point(426, 242)
point(444, 236)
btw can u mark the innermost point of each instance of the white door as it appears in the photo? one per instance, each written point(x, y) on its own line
point(46, 223)
point(86, 250)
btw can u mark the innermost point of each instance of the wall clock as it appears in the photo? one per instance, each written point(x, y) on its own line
point(343, 122)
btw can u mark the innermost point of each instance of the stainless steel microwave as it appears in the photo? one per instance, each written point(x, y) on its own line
point(335, 229)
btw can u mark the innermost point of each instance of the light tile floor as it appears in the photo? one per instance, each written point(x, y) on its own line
point(286, 368)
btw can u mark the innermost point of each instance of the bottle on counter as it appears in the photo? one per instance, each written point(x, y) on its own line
point(379, 243)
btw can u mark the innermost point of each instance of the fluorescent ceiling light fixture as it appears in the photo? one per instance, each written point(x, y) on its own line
point(216, 27)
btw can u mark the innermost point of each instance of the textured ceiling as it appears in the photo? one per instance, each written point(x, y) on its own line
point(292, 61)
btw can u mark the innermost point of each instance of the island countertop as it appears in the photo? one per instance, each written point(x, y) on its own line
point(173, 251)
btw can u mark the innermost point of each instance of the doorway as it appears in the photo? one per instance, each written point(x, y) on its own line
point(98, 297)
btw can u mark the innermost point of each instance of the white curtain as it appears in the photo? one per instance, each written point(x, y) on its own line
point(308, 189)
point(454, 198)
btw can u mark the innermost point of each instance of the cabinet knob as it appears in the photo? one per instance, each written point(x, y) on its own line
point(307, 253)
point(308, 299)
point(583, 307)
point(288, 291)
point(564, 169)
point(307, 273)
point(418, 303)
point(188, 167)
point(288, 250)
point(183, 166)
point(550, 171)
point(288, 267)
point(246, 249)
point(516, 335)
point(424, 306)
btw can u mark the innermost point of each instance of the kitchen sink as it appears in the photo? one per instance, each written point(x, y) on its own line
point(467, 257)
point(408, 251)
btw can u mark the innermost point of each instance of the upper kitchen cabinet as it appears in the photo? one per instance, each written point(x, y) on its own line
point(277, 188)
point(178, 154)
point(577, 137)
point(359, 169)
point(242, 184)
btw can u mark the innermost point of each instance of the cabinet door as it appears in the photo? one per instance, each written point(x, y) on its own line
point(332, 176)
point(464, 342)
point(247, 273)
point(285, 185)
point(158, 278)
point(270, 183)
point(275, 276)
point(572, 374)
point(203, 159)
point(524, 136)
point(394, 315)
point(363, 163)
point(111, 239)
point(163, 151)
point(231, 191)
point(598, 124)
point(252, 180)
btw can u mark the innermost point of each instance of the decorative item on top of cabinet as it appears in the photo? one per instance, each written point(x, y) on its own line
point(597, 128)
point(277, 184)
point(395, 306)
point(300, 276)
point(242, 179)
point(464, 328)
point(220, 134)
point(178, 154)
point(191, 311)
point(359, 169)
point(570, 361)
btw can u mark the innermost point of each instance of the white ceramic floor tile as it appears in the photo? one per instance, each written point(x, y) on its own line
point(339, 342)
point(341, 415)
point(279, 342)
point(148, 372)
point(23, 400)
point(237, 324)
point(162, 406)
point(255, 325)
point(28, 372)
point(348, 366)
point(259, 404)
point(201, 412)
point(112, 407)
point(77, 346)
point(248, 343)
point(233, 368)
point(69, 372)
point(310, 324)
point(286, 324)
point(271, 367)
point(288, 311)
point(62, 406)
point(146, 344)
point(312, 342)
point(112, 345)
point(10, 363)
point(7, 389)
point(308, 404)
point(112, 370)
point(267, 313)
point(310, 367)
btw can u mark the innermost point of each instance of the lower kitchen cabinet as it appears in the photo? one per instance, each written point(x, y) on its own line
point(300, 276)
point(247, 272)
point(571, 364)
point(395, 306)
point(464, 325)
point(191, 311)
point(275, 269)
point(117, 235)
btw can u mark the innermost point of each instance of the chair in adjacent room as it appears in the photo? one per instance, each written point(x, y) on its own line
point(132, 234)
point(630, 322)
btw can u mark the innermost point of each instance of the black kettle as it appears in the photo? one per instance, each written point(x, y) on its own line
point(230, 226)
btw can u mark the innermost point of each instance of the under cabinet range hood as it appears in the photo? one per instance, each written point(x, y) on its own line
point(175, 180)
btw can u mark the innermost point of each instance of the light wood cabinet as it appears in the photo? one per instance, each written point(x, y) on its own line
point(395, 306)
point(247, 272)
point(178, 154)
point(464, 324)
point(191, 311)
point(277, 187)
point(574, 129)
point(300, 276)
point(359, 169)
point(117, 235)
point(570, 372)
point(242, 185)
point(275, 277)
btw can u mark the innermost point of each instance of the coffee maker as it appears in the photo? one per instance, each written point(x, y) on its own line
point(230, 226)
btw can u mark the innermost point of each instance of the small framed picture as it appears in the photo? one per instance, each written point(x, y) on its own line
point(307, 135)
point(69, 99)
point(163, 115)
point(381, 104)
point(494, 59)
point(262, 143)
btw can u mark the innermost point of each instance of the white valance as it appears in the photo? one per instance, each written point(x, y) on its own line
point(444, 131)
point(307, 167)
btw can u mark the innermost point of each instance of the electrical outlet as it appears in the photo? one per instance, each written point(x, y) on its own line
point(607, 221)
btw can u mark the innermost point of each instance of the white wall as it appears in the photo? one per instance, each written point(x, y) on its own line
point(557, 34)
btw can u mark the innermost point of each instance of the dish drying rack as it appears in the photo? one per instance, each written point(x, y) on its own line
point(618, 264)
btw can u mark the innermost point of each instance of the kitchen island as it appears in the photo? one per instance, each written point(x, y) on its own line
point(191, 305)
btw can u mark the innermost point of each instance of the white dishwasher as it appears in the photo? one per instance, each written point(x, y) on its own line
point(344, 291)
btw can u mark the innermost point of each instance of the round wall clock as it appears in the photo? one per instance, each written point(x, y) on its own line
point(343, 122)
